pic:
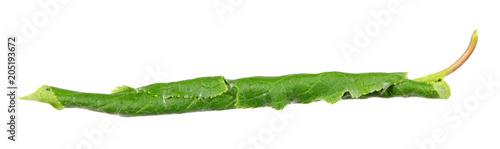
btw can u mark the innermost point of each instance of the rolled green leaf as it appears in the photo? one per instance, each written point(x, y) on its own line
point(218, 93)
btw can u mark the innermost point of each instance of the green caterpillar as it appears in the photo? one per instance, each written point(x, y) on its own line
point(218, 93)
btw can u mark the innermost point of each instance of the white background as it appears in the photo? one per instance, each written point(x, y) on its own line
point(95, 45)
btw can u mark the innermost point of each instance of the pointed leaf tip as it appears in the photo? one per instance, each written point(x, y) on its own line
point(44, 94)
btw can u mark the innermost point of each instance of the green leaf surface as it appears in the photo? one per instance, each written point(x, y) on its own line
point(277, 92)
point(217, 93)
